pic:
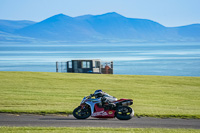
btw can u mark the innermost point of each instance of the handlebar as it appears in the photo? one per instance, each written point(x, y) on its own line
point(91, 95)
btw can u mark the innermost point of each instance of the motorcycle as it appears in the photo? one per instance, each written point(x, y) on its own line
point(93, 107)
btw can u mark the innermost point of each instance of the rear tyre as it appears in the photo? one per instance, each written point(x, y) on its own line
point(124, 113)
point(79, 113)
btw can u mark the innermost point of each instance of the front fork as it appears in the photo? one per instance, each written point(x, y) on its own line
point(84, 106)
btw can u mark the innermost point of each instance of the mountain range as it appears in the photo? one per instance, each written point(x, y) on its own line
point(109, 27)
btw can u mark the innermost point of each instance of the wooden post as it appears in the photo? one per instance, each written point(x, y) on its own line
point(66, 66)
point(111, 64)
point(56, 66)
point(111, 67)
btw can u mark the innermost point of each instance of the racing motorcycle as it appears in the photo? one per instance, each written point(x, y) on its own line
point(92, 107)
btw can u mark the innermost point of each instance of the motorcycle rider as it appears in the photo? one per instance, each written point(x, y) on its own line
point(105, 98)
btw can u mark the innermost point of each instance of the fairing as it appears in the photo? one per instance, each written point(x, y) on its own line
point(100, 112)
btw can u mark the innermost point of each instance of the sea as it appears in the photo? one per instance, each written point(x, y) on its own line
point(165, 59)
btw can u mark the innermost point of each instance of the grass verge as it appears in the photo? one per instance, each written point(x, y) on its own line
point(92, 130)
point(53, 93)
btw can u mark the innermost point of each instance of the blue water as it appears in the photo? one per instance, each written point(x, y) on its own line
point(169, 59)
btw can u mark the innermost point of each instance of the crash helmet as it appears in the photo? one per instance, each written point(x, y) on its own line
point(98, 93)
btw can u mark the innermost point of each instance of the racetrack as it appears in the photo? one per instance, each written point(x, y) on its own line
point(70, 121)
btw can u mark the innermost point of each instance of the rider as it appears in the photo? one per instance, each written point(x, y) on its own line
point(105, 98)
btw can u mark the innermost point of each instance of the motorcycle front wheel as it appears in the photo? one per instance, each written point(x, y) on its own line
point(124, 113)
point(81, 113)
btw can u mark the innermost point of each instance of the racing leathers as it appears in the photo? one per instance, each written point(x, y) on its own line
point(106, 99)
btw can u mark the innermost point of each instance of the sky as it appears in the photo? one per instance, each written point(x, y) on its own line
point(169, 13)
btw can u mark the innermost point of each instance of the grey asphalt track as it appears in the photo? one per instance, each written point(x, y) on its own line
point(70, 121)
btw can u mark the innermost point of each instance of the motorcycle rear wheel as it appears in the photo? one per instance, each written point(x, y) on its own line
point(81, 113)
point(124, 113)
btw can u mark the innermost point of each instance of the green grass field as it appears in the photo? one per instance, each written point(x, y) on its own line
point(92, 130)
point(42, 92)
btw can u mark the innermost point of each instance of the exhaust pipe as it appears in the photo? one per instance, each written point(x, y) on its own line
point(126, 103)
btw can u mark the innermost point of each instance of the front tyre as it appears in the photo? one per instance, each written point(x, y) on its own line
point(124, 113)
point(79, 113)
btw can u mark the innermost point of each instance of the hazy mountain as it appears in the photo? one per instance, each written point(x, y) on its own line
point(8, 37)
point(84, 17)
point(116, 26)
point(59, 27)
point(11, 25)
point(189, 30)
point(105, 28)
